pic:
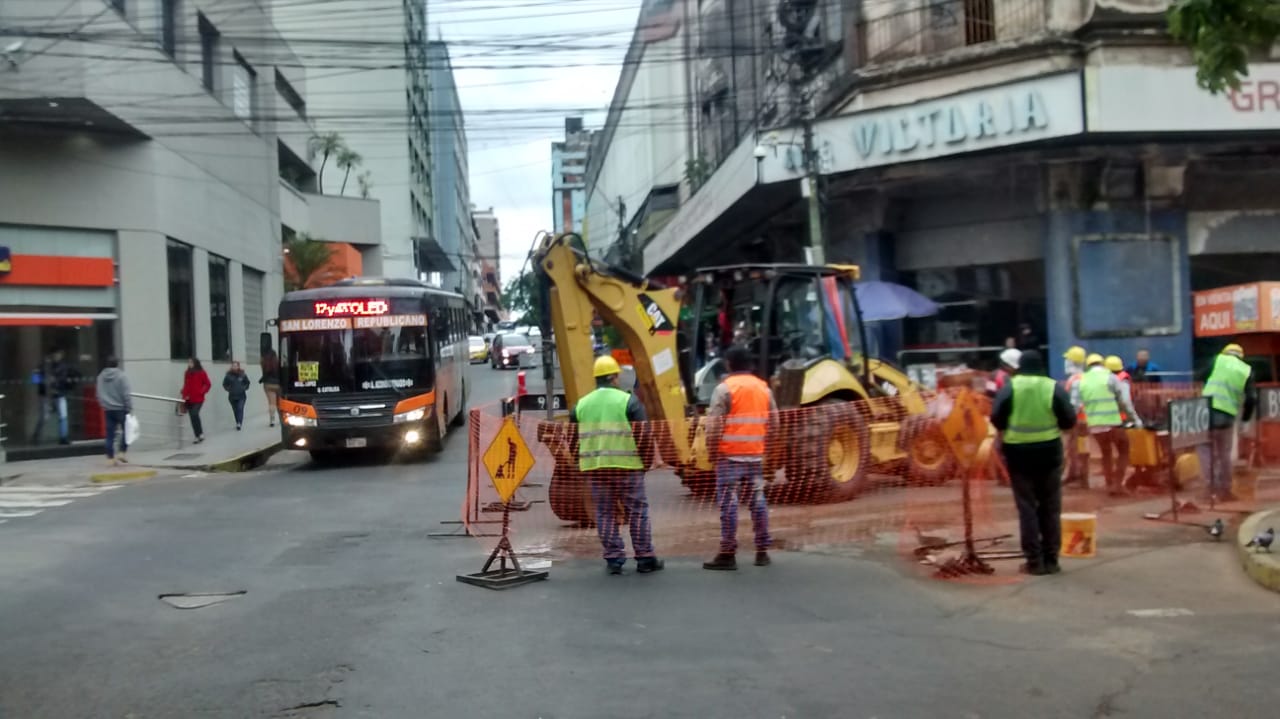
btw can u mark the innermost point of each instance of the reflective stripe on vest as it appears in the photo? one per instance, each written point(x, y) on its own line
point(748, 420)
point(1226, 384)
point(1032, 419)
point(604, 433)
point(1101, 409)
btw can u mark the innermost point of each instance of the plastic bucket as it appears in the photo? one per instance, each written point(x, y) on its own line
point(1079, 535)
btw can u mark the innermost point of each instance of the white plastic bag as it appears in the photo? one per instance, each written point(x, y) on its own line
point(132, 430)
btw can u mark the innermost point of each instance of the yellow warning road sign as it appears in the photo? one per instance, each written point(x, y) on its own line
point(508, 460)
point(965, 427)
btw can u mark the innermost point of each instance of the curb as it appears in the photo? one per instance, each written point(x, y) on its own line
point(107, 477)
point(245, 462)
point(1262, 567)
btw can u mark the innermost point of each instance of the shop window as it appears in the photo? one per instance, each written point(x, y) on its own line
point(1127, 286)
point(182, 324)
point(220, 307)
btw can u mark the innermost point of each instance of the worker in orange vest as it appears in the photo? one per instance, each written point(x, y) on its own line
point(1077, 462)
point(741, 413)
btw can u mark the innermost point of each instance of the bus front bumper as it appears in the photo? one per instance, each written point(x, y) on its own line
point(407, 435)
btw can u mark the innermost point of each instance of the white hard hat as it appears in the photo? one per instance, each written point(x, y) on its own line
point(1011, 357)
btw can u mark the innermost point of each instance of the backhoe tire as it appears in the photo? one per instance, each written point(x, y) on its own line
point(830, 454)
point(930, 461)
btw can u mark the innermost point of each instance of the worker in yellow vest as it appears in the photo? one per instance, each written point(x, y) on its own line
point(611, 442)
point(1032, 412)
point(1230, 387)
point(1106, 406)
point(741, 412)
point(1077, 461)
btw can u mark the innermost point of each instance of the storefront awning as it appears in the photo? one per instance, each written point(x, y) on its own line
point(52, 319)
point(431, 256)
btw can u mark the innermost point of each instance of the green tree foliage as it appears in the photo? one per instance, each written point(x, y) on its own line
point(347, 159)
point(521, 298)
point(1222, 34)
point(325, 146)
point(305, 258)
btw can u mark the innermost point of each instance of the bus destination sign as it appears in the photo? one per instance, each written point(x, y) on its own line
point(352, 308)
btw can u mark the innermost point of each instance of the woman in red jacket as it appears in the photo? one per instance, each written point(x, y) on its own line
point(195, 385)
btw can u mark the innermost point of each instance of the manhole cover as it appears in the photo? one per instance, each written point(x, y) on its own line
point(182, 455)
point(187, 600)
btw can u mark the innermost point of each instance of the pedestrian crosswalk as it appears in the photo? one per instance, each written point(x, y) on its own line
point(28, 501)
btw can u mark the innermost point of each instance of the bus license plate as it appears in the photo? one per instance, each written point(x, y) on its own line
point(354, 442)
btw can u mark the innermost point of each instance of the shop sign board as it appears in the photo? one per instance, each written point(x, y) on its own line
point(1151, 98)
point(1269, 404)
point(1188, 422)
point(1226, 311)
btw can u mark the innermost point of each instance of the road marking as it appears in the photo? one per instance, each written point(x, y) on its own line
point(28, 501)
point(1161, 612)
point(17, 515)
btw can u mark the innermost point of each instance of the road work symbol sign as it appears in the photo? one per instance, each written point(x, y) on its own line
point(508, 460)
point(965, 427)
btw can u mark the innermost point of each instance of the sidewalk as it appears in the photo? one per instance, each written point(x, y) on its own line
point(1262, 566)
point(224, 450)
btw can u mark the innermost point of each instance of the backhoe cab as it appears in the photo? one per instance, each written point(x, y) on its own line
point(803, 327)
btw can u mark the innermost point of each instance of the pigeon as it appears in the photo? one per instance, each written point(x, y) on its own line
point(1263, 541)
point(1216, 529)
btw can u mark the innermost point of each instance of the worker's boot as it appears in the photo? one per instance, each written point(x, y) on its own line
point(762, 559)
point(613, 566)
point(722, 562)
point(645, 565)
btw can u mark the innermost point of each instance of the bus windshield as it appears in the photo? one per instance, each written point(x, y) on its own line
point(354, 360)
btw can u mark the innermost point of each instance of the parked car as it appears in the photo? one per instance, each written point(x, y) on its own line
point(511, 350)
point(479, 349)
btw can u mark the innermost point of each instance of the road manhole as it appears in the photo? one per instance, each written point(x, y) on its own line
point(191, 600)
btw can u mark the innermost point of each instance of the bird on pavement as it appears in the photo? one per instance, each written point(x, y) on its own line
point(1216, 529)
point(1263, 541)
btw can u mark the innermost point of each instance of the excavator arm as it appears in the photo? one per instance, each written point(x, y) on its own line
point(643, 313)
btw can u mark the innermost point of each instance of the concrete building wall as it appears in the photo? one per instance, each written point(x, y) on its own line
point(450, 180)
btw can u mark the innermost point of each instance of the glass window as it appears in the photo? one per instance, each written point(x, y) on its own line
point(1137, 274)
point(169, 27)
point(798, 322)
point(242, 95)
point(208, 53)
point(182, 325)
point(393, 358)
point(220, 306)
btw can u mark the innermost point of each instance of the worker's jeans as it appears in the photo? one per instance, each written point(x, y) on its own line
point(731, 477)
point(1114, 445)
point(1215, 459)
point(612, 489)
point(1038, 495)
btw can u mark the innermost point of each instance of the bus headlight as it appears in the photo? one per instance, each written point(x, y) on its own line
point(412, 437)
point(297, 420)
point(414, 415)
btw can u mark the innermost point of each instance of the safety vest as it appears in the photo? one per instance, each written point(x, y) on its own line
point(748, 419)
point(1100, 406)
point(604, 433)
point(1226, 383)
point(1032, 419)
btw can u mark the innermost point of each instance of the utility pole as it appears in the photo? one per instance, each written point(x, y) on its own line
point(624, 245)
point(813, 173)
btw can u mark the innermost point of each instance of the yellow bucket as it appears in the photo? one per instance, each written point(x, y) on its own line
point(1080, 535)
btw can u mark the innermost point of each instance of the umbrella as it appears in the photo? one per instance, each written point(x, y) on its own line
point(889, 301)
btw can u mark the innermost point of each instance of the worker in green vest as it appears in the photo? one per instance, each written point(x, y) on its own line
point(1032, 411)
point(1106, 405)
point(611, 443)
point(1229, 385)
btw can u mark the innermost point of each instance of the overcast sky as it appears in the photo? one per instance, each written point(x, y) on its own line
point(514, 112)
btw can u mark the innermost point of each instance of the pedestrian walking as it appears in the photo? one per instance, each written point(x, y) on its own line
point(1077, 461)
point(236, 383)
point(195, 386)
point(741, 413)
point(1230, 386)
point(611, 441)
point(116, 400)
point(1106, 406)
point(270, 382)
point(1031, 413)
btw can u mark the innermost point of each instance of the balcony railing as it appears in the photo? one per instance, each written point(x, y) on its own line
point(903, 29)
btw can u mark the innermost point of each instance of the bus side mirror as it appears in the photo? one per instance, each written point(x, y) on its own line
point(264, 343)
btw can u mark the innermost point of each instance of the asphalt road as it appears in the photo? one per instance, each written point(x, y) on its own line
point(350, 609)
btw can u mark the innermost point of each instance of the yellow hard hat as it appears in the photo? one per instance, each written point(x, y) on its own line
point(1113, 363)
point(1233, 349)
point(1075, 354)
point(1093, 359)
point(605, 366)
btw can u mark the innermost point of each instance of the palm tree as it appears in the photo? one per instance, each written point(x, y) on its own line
point(330, 143)
point(346, 159)
point(364, 181)
point(305, 257)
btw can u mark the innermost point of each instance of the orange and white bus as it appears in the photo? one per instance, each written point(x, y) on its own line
point(371, 363)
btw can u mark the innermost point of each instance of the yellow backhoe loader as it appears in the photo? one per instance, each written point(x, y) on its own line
point(803, 326)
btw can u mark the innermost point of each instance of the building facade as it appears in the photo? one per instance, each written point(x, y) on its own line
point(1019, 161)
point(453, 229)
point(568, 176)
point(488, 246)
point(378, 104)
point(146, 188)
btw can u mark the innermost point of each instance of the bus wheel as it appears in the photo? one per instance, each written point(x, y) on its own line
point(460, 418)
